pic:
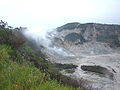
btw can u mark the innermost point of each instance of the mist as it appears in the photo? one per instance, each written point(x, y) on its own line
point(43, 37)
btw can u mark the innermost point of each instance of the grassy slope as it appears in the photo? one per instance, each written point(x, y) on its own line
point(23, 76)
point(22, 68)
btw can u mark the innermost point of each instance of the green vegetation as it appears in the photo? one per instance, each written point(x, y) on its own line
point(15, 76)
point(109, 38)
point(97, 69)
point(22, 68)
point(72, 37)
point(65, 66)
point(4, 52)
point(68, 26)
point(11, 37)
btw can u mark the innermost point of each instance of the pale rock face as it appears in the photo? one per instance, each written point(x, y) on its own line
point(90, 44)
point(90, 38)
point(87, 44)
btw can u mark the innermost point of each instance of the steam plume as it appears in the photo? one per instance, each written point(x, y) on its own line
point(42, 37)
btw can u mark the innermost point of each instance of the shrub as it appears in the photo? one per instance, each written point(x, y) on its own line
point(53, 85)
point(23, 76)
point(11, 37)
point(4, 52)
point(68, 26)
point(19, 77)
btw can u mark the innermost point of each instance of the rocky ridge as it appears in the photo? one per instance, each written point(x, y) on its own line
point(90, 45)
point(89, 38)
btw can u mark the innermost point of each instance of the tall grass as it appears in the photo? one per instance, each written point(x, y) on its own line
point(4, 52)
point(21, 68)
point(15, 76)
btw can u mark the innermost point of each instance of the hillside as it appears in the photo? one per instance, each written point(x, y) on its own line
point(72, 57)
point(89, 38)
point(23, 68)
point(93, 47)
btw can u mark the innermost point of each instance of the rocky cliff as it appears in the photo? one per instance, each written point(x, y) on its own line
point(89, 38)
point(93, 47)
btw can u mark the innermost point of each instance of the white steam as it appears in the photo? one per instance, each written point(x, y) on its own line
point(39, 35)
point(42, 37)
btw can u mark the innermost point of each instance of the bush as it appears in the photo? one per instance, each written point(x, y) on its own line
point(4, 52)
point(5, 35)
point(74, 37)
point(11, 37)
point(53, 85)
point(68, 26)
point(14, 76)
point(23, 76)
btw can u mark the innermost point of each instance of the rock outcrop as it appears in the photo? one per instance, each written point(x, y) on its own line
point(89, 38)
point(99, 70)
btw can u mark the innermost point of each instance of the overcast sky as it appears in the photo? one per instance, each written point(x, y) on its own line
point(53, 13)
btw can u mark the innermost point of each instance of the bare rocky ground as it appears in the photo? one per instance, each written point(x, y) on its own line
point(110, 61)
point(91, 45)
point(92, 54)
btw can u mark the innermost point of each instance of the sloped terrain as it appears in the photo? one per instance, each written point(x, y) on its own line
point(23, 68)
point(90, 44)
